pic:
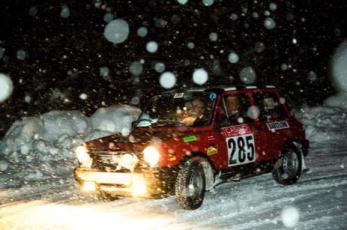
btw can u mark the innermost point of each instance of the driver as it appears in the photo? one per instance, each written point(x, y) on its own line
point(196, 113)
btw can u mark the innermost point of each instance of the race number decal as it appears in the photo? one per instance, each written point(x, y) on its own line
point(241, 149)
point(240, 144)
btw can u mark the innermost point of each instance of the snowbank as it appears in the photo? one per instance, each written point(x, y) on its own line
point(324, 123)
point(114, 120)
point(40, 148)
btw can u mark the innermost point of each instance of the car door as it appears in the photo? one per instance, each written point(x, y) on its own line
point(273, 119)
point(237, 127)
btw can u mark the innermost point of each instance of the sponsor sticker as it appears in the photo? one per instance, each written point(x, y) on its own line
point(172, 158)
point(236, 130)
point(277, 125)
point(212, 96)
point(190, 138)
point(211, 151)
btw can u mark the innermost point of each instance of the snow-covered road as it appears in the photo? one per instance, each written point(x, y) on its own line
point(319, 201)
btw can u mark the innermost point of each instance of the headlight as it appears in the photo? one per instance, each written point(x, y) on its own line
point(151, 155)
point(83, 156)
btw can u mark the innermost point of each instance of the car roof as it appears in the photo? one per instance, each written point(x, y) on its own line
point(226, 88)
point(223, 88)
point(241, 87)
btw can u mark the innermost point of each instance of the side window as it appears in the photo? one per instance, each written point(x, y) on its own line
point(236, 107)
point(269, 106)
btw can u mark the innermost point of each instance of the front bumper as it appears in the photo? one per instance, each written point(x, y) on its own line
point(156, 182)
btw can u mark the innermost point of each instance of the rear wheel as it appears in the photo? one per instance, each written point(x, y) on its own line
point(289, 167)
point(190, 184)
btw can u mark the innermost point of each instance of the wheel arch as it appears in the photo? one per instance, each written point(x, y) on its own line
point(208, 166)
point(299, 145)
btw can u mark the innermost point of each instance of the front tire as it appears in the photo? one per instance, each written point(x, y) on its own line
point(191, 184)
point(289, 167)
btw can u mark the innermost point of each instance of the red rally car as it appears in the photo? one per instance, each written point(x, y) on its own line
point(186, 142)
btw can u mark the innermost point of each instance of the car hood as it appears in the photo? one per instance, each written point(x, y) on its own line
point(137, 139)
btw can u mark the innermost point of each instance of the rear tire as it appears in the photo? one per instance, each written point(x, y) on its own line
point(191, 184)
point(289, 167)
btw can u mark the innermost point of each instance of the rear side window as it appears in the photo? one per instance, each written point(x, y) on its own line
point(269, 106)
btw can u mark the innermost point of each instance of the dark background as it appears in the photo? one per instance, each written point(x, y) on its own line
point(65, 54)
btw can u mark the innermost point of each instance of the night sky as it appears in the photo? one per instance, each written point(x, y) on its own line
point(63, 55)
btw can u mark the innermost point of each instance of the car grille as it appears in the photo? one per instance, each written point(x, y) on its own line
point(111, 161)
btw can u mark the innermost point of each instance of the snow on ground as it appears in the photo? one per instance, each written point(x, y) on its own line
point(318, 201)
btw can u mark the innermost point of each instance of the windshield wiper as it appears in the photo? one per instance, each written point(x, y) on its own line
point(150, 121)
point(170, 123)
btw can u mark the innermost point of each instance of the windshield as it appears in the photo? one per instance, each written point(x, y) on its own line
point(192, 109)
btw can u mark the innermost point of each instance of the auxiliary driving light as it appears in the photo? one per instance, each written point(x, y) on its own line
point(151, 155)
point(139, 188)
point(89, 186)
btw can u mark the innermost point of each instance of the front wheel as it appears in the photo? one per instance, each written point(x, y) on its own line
point(289, 167)
point(190, 184)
